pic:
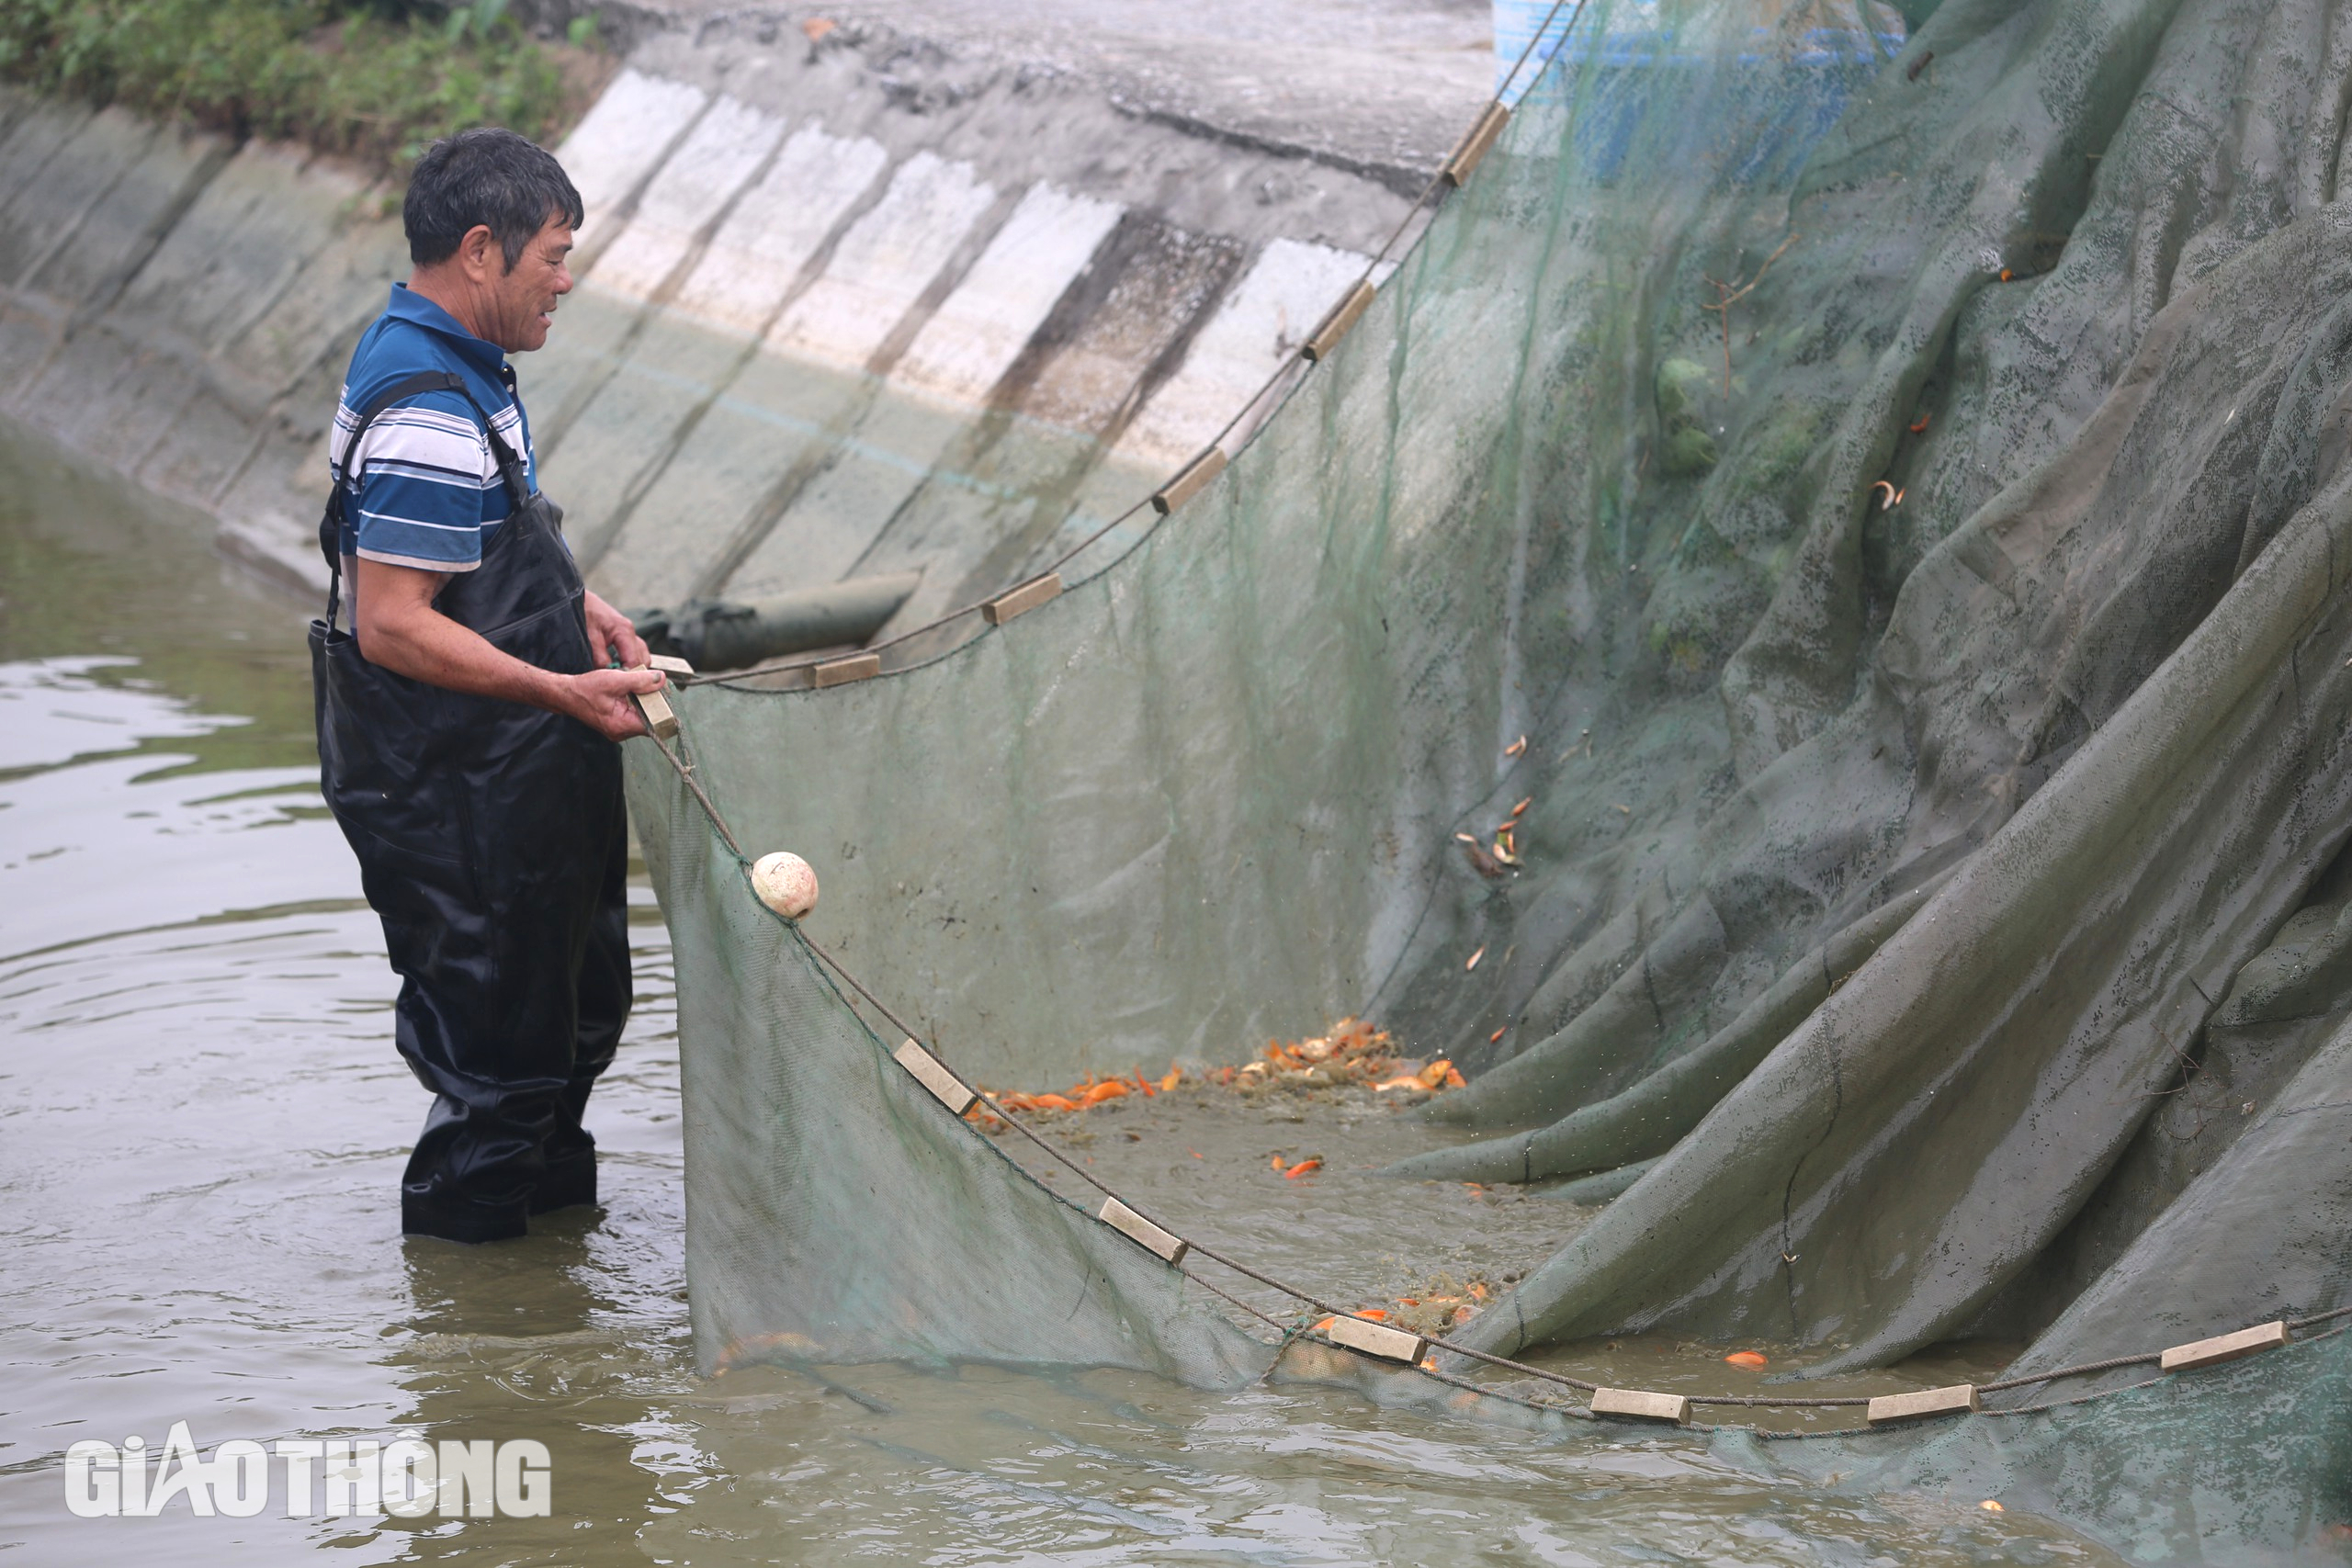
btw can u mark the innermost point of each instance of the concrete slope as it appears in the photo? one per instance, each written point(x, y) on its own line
point(852, 301)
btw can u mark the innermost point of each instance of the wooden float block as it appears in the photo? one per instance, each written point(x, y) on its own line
point(931, 1073)
point(1337, 324)
point(1193, 479)
point(1376, 1338)
point(1021, 601)
point(1641, 1404)
point(669, 664)
point(1142, 1232)
point(1956, 1400)
point(2224, 1347)
point(1473, 146)
point(842, 672)
point(658, 716)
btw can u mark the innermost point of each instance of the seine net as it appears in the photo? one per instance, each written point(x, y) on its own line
point(1881, 497)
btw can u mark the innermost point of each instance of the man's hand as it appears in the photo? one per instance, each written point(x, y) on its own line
point(600, 699)
point(612, 636)
point(398, 628)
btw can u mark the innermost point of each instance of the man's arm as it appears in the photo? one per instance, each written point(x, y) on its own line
point(398, 628)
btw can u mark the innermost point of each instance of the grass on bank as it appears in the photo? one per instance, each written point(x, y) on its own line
point(378, 80)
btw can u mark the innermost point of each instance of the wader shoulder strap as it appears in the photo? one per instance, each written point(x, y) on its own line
point(331, 522)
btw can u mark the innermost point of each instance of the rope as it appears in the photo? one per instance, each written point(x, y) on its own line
point(709, 808)
point(2294, 1323)
point(1289, 366)
point(1287, 1331)
point(2083, 1371)
point(855, 985)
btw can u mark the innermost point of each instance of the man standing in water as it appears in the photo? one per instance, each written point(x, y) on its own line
point(468, 722)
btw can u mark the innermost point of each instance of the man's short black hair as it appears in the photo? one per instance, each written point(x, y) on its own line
point(488, 177)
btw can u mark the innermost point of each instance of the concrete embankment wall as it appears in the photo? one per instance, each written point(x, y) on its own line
point(847, 305)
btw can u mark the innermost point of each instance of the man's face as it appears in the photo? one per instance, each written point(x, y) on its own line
point(522, 302)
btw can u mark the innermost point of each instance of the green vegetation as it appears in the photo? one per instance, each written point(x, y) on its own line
point(379, 80)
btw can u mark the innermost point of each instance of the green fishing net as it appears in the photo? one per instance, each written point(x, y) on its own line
point(1882, 500)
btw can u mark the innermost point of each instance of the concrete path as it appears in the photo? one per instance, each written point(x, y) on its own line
point(1379, 82)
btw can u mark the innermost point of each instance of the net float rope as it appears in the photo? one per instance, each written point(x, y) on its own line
point(1197, 472)
point(1344, 1329)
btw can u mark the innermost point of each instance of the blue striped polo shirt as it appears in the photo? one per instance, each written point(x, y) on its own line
point(430, 494)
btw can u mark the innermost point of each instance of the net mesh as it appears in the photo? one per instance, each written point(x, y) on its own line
point(1885, 507)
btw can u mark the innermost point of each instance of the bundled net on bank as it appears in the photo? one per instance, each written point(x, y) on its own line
point(1875, 485)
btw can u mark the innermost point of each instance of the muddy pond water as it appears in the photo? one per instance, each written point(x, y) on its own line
point(202, 1123)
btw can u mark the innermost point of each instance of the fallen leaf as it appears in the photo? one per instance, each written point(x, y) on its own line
point(1920, 426)
point(1523, 805)
point(818, 27)
point(1481, 861)
point(1435, 1073)
point(1280, 1163)
point(1497, 1034)
point(1399, 1083)
point(1304, 1168)
point(1175, 1076)
point(1196, 1153)
point(1626, 809)
point(2007, 275)
point(1375, 1314)
point(1990, 1506)
point(1109, 1089)
point(1474, 957)
point(1051, 1103)
point(1516, 747)
point(1746, 1359)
